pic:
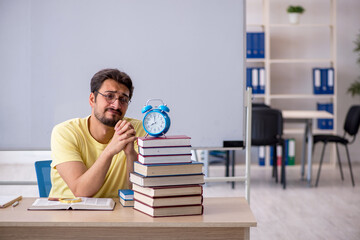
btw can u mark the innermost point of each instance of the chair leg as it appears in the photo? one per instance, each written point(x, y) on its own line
point(321, 160)
point(275, 163)
point(339, 162)
point(273, 160)
point(227, 163)
point(351, 173)
point(233, 167)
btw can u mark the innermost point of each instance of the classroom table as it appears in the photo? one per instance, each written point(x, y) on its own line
point(223, 218)
point(306, 117)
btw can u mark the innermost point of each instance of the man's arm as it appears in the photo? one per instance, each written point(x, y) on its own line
point(86, 182)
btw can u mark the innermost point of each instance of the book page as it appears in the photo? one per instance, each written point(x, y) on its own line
point(43, 202)
point(94, 201)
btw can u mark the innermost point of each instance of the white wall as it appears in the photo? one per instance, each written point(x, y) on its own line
point(189, 53)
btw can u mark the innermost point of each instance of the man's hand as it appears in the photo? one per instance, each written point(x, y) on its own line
point(123, 138)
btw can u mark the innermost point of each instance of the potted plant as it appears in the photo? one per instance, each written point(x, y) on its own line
point(294, 13)
point(354, 88)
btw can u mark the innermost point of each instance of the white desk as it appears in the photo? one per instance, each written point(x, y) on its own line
point(307, 117)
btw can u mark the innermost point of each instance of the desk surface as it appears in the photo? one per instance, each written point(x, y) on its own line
point(299, 114)
point(218, 212)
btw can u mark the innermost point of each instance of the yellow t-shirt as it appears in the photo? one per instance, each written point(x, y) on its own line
point(72, 141)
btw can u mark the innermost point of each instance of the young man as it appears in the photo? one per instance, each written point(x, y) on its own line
point(93, 156)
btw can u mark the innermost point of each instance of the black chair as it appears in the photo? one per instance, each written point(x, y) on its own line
point(351, 127)
point(267, 130)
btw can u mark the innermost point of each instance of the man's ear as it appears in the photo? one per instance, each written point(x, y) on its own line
point(92, 99)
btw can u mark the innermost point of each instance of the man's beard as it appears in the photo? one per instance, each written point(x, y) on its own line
point(110, 122)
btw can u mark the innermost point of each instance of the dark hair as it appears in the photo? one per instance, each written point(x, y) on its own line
point(109, 73)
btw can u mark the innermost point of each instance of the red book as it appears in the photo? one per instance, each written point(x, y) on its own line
point(169, 190)
point(168, 200)
point(164, 141)
point(163, 159)
point(169, 211)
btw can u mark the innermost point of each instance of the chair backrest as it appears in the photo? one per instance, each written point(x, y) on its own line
point(42, 169)
point(352, 120)
point(267, 126)
point(261, 105)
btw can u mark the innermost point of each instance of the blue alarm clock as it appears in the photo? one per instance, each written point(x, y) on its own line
point(156, 121)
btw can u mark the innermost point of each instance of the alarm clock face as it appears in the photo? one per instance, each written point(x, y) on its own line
point(156, 122)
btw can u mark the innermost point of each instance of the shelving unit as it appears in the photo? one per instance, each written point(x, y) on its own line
point(294, 90)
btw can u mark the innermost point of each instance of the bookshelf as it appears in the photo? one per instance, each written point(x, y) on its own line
point(291, 52)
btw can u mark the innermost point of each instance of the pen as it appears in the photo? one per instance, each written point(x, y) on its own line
point(15, 203)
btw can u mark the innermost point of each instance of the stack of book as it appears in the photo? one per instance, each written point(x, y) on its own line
point(165, 180)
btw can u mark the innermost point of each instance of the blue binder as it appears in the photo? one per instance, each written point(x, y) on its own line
point(330, 122)
point(326, 123)
point(262, 80)
point(256, 45)
point(330, 80)
point(255, 80)
point(248, 77)
point(261, 36)
point(317, 80)
point(249, 52)
point(324, 81)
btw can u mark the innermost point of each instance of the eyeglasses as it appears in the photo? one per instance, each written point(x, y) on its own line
point(111, 98)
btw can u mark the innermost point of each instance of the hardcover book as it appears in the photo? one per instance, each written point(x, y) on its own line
point(169, 211)
point(151, 151)
point(184, 158)
point(126, 194)
point(168, 201)
point(169, 191)
point(174, 140)
point(168, 169)
point(126, 197)
point(166, 180)
point(126, 203)
point(84, 204)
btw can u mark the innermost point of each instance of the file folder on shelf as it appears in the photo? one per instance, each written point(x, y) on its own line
point(325, 123)
point(323, 80)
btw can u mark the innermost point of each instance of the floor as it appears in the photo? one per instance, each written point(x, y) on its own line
point(330, 211)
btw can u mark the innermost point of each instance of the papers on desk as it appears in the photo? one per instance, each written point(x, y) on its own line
point(6, 201)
